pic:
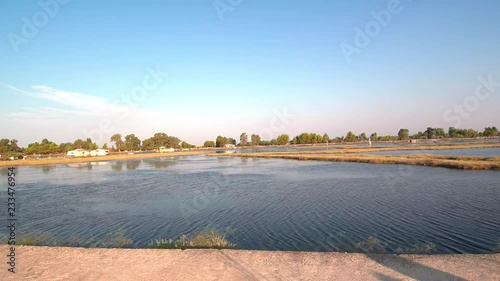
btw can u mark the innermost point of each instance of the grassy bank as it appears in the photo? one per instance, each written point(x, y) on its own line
point(341, 149)
point(351, 149)
point(209, 238)
point(453, 162)
point(214, 238)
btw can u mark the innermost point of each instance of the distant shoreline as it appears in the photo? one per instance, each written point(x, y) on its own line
point(111, 157)
point(361, 155)
point(333, 155)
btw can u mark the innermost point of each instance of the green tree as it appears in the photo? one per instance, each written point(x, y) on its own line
point(404, 134)
point(184, 144)
point(32, 148)
point(45, 147)
point(351, 137)
point(304, 138)
point(148, 144)
point(65, 147)
point(13, 146)
point(93, 146)
point(162, 139)
point(132, 143)
point(326, 138)
point(79, 143)
point(490, 132)
point(255, 139)
point(117, 139)
point(4, 146)
point(431, 133)
point(221, 141)
point(374, 137)
point(318, 138)
point(363, 137)
point(282, 139)
point(209, 144)
point(243, 139)
point(173, 142)
point(453, 132)
point(312, 138)
point(435, 133)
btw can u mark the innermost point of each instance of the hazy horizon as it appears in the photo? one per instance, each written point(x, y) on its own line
point(200, 70)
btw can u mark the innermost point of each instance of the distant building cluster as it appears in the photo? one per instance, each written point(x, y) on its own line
point(164, 149)
point(84, 153)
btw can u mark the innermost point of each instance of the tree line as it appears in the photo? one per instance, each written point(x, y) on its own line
point(132, 143)
point(314, 138)
point(128, 143)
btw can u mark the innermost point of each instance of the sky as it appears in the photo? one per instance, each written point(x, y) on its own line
point(74, 69)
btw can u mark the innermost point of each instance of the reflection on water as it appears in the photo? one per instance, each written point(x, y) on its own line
point(85, 165)
point(161, 162)
point(270, 203)
point(117, 165)
point(47, 169)
point(132, 164)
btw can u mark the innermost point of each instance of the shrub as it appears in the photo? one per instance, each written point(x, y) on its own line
point(210, 238)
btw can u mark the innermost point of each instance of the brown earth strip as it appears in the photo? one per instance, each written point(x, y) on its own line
point(51, 263)
point(453, 162)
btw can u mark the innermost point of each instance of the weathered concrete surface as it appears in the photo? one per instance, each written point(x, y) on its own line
point(47, 263)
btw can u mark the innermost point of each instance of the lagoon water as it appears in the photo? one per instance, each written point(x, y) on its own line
point(271, 204)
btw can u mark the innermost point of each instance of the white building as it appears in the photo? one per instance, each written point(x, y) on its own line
point(78, 153)
point(164, 149)
point(99, 152)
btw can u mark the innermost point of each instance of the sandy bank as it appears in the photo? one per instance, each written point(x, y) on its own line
point(64, 160)
point(47, 263)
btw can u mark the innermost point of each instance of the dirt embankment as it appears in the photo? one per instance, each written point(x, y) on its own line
point(48, 263)
point(66, 160)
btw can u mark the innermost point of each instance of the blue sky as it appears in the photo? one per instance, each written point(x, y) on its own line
point(243, 68)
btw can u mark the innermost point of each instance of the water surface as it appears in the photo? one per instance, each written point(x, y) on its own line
point(270, 204)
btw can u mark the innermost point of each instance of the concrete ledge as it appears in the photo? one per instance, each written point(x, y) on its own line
point(51, 263)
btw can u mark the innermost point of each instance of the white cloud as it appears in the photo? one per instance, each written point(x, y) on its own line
point(71, 99)
point(66, 116)
point(74, 113)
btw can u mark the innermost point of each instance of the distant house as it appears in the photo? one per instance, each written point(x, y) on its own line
point(164, 149)
point(78, 153)
point(230, 145)
point(99, 152)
